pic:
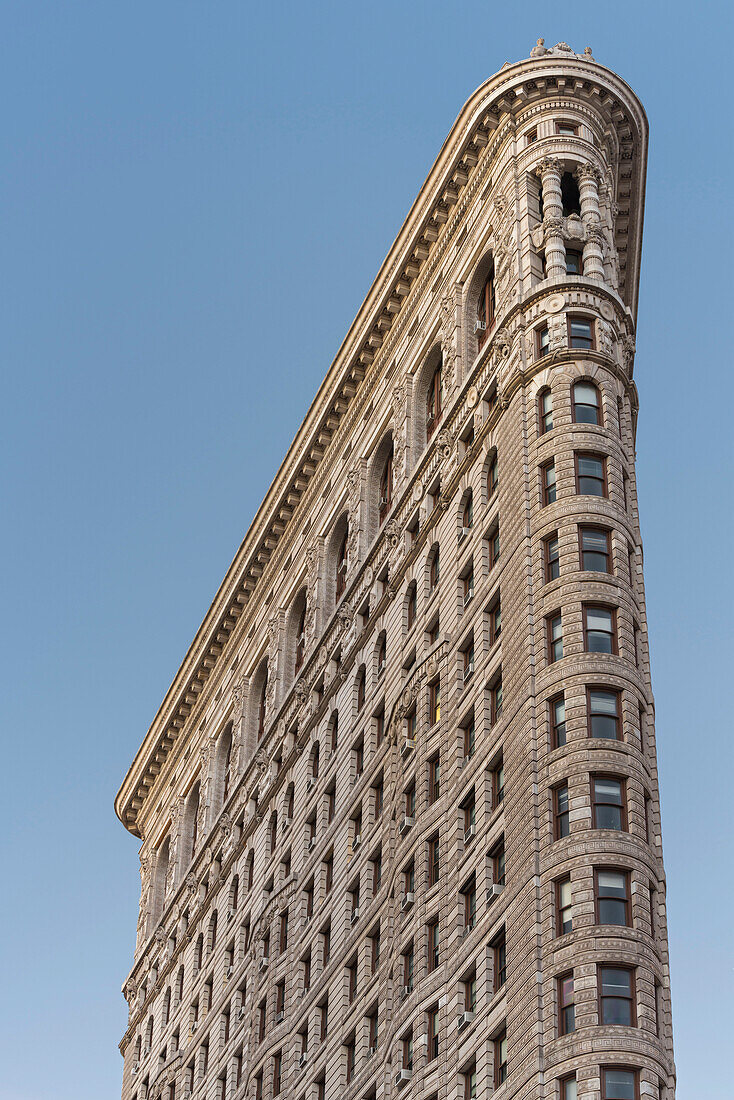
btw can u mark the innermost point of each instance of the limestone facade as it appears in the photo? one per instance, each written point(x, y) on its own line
point(399, 809)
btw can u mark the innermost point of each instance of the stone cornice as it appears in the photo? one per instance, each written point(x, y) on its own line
point(485, 122)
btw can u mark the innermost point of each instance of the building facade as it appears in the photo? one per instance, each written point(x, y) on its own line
point(399, 809)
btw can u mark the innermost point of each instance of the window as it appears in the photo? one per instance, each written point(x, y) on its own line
point(433, 861)
point(328, 873)
point(467, 587)
point(432, 1033)
point(617, 996)
point(330, 807)
point(561, 819)
point(307, 973)
point(469, 732)
point(382, 655)
point(433, 947)
point(492, 478)
point(323, 1019)
point(486, 308)
point(594, 549)
point(566, 1011)
point(434, 779)
point(301, 637)
point(409, 878)
point(470, 991)
point(496, 701)
point(568, 1088)
point(548, 482)
point(543, 341)
point(386, 487)
point(410, 801)
point(600, 633)
point(557, 707)
point(500, 1059)
point(495, 622)
point(433, 402)
point(586, 405)
point(412, 606)
point(612, 892)
point(619, 1084)
point(352, 970)
point(379, 789)
point(603, 713)
point(554, 628)
point(500, 961)
point(407, 1051)
point(341, 565)
point(564, 906)
point(468, 660)
point(531, 136)
point(570, 198)
point(574, 262)
point(494, 547)
point(380, 725)
point(469, 896)
point(434, 572)
point(551, 558)
point(408, 962)
point(351, 1051)
point(608, 803)
point(375, 949)
point(545, 411)
point(498, 864)
point(361, 685)
point(373, 1031)
point(434, 693)
point(470, 1082)
point(277, 1072)
point(283, 937)
point(568, 129)
point(376, 871)
point(580, 333)
point(498, 785)
point(467, 515)
point(591, 476)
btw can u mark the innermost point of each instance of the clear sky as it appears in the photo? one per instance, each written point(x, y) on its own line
point(195, 198)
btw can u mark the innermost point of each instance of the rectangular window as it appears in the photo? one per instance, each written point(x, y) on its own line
point(498, 785)
point(500, 1059)
point(352, 968)
point(617, 996)
point(564, 906)
point(594, 549)
point(545, 411)
point(408, 970)
point(433, 861)
point(277, 1072)
point(433, 1033)
point(567, 129)
point(434, 779)
point(608, 803)
point(568, 1088)
point(548, 482)
point(500, 962)
point(373, 1031)
point(469, 895)
point(574, 262)
point(492, 478)
point(496, 701)
point(435, 702)
point(407, 1045)
point(554, 628)
point(603, 713)
point(561, 820)
point(591, 474)
point(612, 894)
point(433, 947)
point(600, 629)
point(543, 341)
point(566, 1009)
point(557, 707)
point(495, 622)
point(467, 587)
point(580, 332)
point(551, 559)
point(498, 864)
point(469, 738)
point(494, 547)
point(618, 1083)
point(410, 801)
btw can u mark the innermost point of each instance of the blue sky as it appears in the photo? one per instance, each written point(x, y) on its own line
point(195, 198)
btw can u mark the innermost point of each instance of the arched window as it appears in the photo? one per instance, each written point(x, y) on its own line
point(160, 873)
point(249, 869)
point(234, 894)
point(486, 308)
point(199, 956)
point(191, 821)
point(273, 831)
point(545, 411)
point(467, 515)
point(301, 636)
point(492, 477)
point(334, 730)
point(290, 802)
point(570, 195)
point(211, 939)
point(166, 1007)
point(315, 755)
point(179, 987)
point(149, 1035)
point(386, 487)
point(381, 654)
point(341, 565)
point(412, 603)
point(433, 402)
point(434, 572)
point(361, 686)
point(586, 403)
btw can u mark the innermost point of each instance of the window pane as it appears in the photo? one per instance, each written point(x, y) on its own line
point(603, 706)
point(569, 1089)
point(608, 790)
point(619, 1084)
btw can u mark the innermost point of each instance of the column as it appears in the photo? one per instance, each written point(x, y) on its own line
point(588, 180)
point(549, 170)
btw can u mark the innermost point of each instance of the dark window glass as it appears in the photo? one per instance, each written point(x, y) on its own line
point(618, 1084)
point(612, 897)
point(564, 907)
point(561, 811)
point(555, 638)
point(580, 333)
point(590, 479)
point(594, 549)
point(574, 262)
point(608, 803)
point(586, 407)
point(548, 475)
point(566, 1009)
point(599, 629)
point(552, 561)
point(558, 721)
point(545, 408)
point(604, 713)
point(616, 993)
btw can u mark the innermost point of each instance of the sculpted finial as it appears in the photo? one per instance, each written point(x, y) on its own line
point(539, 48)
point(587, 52)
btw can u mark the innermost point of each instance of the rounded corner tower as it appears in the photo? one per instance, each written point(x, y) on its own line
point(399, 808)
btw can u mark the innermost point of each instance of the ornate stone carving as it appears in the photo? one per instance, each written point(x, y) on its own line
point(301, 692)
point(539, 48)
point(552, 227)
point(444, 443)
point(502, 343)
point(393, 533)
point(628, 351)
point(191, 882)
point(548, 164)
